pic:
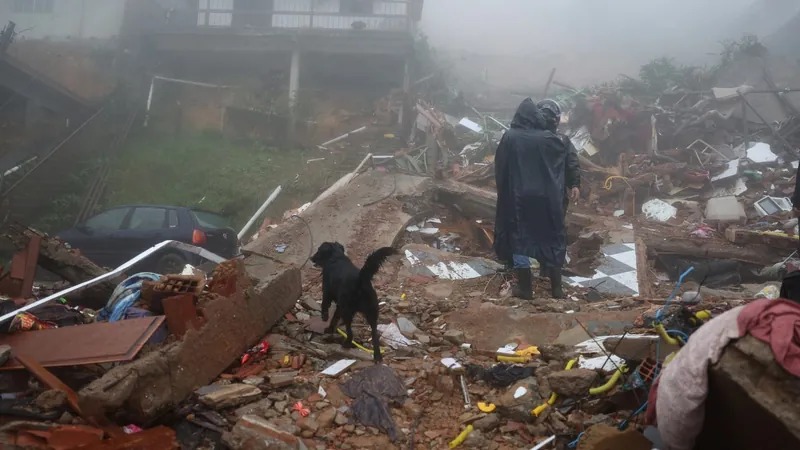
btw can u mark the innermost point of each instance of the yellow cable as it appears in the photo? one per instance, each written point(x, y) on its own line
point(461, 437)
point(553, 397)
point(358, 346)
point(610, 383)
point(609, 181)
point(664, 335)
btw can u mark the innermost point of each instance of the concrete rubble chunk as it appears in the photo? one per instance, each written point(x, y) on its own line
point(572, 383)
point(255, 433)
point(258, 408)
point(230, 395)
point(487, 423)
point(455, 337)
point(326, 418)
point(282, 379)
point(51, 399)
point(407, 328)
point(724, 209)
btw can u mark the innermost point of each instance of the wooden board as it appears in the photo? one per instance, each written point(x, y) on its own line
point(101, 342)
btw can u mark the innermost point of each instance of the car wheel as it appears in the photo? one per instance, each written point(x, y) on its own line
point(170, 264)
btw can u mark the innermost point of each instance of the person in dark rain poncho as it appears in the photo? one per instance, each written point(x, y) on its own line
point(530, 176)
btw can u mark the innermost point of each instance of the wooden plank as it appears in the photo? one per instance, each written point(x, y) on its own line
point(95, 343)
point(695, 248)
point(48, 379)
point(780, 241)
point(646, 287)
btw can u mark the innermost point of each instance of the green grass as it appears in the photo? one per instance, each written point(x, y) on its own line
point(210, 172)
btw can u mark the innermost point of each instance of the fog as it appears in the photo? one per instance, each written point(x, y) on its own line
point(589, 40)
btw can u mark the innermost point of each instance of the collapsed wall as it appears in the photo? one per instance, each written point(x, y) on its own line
point(161, 379)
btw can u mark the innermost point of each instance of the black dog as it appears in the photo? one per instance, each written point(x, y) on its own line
point(350, 288)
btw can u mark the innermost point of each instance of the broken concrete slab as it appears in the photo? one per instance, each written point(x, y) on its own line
point(536, 329)
point(230, 395)
point(166, 376)
point(342, 217)
point(430, 262)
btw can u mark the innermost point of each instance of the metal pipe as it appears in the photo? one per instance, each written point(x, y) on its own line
point(544, 443)
point(135, 260)
point(342, 137)
point(260, 211)
point(174, 80)
point(498, 122)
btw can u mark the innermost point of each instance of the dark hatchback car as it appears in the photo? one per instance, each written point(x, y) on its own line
point(114, 236)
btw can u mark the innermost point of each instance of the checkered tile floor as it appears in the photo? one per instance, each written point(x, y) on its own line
point(616, 274)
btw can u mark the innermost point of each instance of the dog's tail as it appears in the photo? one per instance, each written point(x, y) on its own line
point(374, 262)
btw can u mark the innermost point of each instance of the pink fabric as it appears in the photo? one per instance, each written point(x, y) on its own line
point(683, 385)
point(776, 323)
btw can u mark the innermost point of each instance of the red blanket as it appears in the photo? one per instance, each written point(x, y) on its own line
point(777, 323)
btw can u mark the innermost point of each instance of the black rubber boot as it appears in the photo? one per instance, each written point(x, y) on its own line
point(556, 289)
point(523, 288)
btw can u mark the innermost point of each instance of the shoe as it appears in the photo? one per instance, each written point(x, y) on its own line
point(523, 288)
point(556, 288)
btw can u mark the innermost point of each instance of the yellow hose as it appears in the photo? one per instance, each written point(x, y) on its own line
point(461, 437)
point(610, 383)
point(664, 335)
point(513, 359)
point(358, 346)
point(553, 397)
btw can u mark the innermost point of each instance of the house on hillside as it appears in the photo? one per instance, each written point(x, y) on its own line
point(236, 42)
point(64, 19)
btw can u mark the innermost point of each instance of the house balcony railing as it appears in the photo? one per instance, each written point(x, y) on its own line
point(392, 16)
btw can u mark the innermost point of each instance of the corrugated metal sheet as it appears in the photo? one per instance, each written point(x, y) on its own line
point(95, 343)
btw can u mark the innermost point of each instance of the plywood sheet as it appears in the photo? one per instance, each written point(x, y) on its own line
point(95, 343)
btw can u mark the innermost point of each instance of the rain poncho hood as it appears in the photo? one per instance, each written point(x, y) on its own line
point(530, 171)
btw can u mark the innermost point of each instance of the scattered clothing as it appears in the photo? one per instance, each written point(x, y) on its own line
point(499, 375)
point(373, 389)
point(530, 175)
point(124, 296)
point(777, 323)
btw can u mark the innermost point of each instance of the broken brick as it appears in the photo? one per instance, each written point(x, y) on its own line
point(282, 379)
point(181, 314)
point(252, 430)
point(230, 395)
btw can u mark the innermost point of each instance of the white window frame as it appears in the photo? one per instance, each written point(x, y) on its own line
point(32, 6)
point(214, 13)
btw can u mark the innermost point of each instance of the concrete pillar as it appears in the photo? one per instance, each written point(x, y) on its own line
point(406, 92)
point(294, 80)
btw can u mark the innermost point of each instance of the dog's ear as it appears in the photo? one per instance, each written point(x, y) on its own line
point(339, 246)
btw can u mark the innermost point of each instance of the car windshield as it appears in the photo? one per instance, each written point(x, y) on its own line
point(211, 220)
